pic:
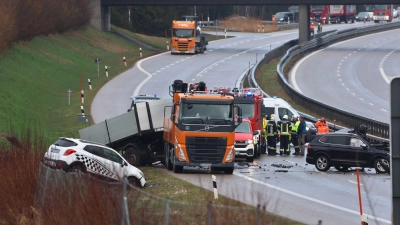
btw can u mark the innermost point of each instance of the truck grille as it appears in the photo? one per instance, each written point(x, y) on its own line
point(205, 149)
point(380, 13)
point(183, 46)
point(240, 144)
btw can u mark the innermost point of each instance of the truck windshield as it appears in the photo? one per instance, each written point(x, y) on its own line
point(244, 127)
point(206, 111)
point(184, 33)
point(247, 110)
point(381, 7)
point(317, 7)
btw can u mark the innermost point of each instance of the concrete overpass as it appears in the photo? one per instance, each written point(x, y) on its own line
point(101, 8)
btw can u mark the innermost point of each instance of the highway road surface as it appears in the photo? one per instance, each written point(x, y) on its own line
point(353, 75)
point(298, 192)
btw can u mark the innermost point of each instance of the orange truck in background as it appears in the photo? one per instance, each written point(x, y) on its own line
point(199, 128)
point(186, 36)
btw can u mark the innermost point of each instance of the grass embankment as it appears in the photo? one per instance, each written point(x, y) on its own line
point(35, 78)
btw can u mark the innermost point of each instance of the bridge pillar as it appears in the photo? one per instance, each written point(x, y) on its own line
point(105, 18)
point(304, 23)
point(100, 15)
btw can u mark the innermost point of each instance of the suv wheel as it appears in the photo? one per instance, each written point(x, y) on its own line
point(75, 170)
point(134, 181)
point(322, 163)
point(380, 165)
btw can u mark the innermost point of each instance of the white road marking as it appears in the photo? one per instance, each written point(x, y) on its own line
point(383, 110)
point(289, 161)
point(193, 79)
point(340, 79)
point(384, 75)
point(353, 182)
point(348, 89)
point(361, 99)
point(353, 94)
point(371, 103)
point(309, 198)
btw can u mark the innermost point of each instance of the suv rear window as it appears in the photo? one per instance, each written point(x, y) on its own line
point(65, 143)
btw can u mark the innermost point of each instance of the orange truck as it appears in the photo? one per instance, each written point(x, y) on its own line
point(199, 128)
point(186, 37)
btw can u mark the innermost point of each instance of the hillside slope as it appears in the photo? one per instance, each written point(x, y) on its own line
point(36, 75)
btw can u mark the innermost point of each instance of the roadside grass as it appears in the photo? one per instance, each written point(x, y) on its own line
point(155, 42)
point(35, 78)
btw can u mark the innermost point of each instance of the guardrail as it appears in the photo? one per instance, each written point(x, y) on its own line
point(376, 128)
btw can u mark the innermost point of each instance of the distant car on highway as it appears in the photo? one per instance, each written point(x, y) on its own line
point(142, 98)
point(76, 156)
point(284, 17)
point(344, 150)
point(364, 16)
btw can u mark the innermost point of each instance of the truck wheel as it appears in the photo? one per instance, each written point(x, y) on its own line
point(132, 155)
point(168, 163)
point(228, 170)
point(176, 168)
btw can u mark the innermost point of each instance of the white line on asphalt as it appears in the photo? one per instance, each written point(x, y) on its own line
point(383, 110)
point(289, 161)
point(371, 103)
point(340, 79)
point(353, 94)
point(348, 89)
point(353, 182)
point(310, 199)
point(384, 75)
point(361, 99)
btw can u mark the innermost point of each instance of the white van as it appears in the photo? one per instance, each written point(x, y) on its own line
point(279, 107)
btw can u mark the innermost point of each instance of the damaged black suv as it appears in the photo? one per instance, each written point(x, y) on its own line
point(344, 150)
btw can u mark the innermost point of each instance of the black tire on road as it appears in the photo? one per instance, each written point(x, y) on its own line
point(132, 155)
point(176, 168)
point(379, 165)
point(322, 163)
point(168, 163)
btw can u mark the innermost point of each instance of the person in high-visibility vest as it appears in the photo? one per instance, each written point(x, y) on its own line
point(312, 29)
point(295, 140)
point(322, 126)
point(284, 128)
point(264, 125)
point(272, 132)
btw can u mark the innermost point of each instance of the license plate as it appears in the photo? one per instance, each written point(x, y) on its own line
point(55, 150)
point(205, 164)
point(50, 163)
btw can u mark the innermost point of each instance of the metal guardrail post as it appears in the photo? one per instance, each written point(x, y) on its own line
point(209, 213)
point(167, 212)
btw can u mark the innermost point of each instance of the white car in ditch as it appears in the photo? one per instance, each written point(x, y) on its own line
point(76, 155)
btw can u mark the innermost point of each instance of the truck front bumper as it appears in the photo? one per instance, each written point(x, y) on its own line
point(230, 164)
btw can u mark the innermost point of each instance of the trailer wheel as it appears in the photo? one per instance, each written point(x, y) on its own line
point(132, 155)
point(168, 163)
point(176, 168)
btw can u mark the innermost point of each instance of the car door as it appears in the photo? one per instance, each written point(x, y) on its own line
point(114, 164)
point(338, 146)
point(357, 154)
point(94, 161)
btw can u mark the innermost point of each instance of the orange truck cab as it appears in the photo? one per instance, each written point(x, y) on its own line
point(199, 129)
point(186, 37)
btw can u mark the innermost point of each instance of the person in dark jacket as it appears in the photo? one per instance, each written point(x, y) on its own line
point(271, 132)
point(284, 128)
point(302, 131)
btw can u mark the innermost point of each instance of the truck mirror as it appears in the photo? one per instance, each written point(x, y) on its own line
point(239, 114)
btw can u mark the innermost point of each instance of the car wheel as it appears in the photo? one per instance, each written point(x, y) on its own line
point(257, 150)
point(228, 170)
point(134, 181)
point(168, 163)
point(133, 157)
point(342, 168)
point(380, 165)
point(176, 168)
point(322, 163)
point(75, 170)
